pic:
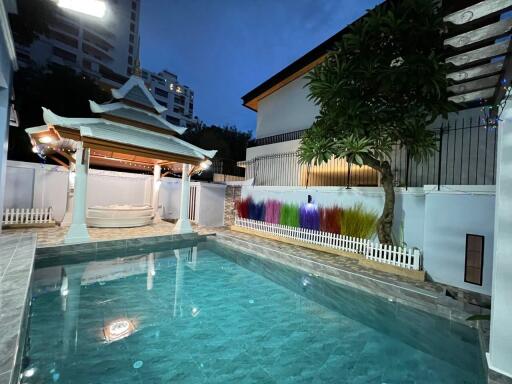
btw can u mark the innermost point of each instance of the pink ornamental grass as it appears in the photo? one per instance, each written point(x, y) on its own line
point(272, 211)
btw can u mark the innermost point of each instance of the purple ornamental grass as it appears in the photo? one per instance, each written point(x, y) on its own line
point(272, 211)
point(309, 216)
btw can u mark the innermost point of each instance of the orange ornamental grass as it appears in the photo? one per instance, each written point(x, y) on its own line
point(330, 219)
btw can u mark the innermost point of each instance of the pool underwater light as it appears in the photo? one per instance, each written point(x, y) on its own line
point(118, 329)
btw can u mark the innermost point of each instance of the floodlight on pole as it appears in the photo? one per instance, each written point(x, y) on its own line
point(94, 8)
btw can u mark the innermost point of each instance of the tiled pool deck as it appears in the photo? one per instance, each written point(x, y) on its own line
point(424, 295)
point(17, 251)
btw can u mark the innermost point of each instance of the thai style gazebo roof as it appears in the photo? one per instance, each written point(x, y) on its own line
point(128, 133)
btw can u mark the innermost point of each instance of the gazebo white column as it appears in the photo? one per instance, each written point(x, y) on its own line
point(66, 221)
point(77, 232)
point(500, 348)
point(183, 224)
point(156, 188)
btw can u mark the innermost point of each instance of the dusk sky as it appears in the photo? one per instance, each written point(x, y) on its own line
point(224, 48)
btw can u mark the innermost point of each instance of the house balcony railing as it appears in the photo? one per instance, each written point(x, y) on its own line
point(288, 136)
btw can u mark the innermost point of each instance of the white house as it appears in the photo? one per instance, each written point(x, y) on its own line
point(448, 207)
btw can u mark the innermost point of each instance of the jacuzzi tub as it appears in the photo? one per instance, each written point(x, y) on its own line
point(119, 216)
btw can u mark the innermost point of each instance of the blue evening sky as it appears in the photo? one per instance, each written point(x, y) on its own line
point(224, 48)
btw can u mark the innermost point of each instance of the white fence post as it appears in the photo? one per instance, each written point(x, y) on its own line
point(27, 216)
point(382, 253)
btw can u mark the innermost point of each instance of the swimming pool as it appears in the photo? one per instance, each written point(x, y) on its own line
point(200, 312)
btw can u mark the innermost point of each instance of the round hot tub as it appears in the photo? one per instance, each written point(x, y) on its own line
point(119, 216)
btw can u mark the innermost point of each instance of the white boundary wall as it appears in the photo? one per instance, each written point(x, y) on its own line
point(32, 185)
point(434, 221)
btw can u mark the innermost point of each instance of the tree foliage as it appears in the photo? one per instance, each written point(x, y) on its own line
point(32, 19)
point(55, 87)
point(381, 85)
point(229, 142)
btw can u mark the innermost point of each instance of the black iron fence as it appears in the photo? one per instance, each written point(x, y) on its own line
point(466, 155)
point(295, 135)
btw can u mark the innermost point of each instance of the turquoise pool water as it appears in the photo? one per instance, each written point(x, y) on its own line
point(204, 313)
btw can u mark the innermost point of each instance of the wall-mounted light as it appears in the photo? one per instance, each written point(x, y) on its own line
point(205, 164)
point(35, 149)
point(46, 139)
point(94, 8)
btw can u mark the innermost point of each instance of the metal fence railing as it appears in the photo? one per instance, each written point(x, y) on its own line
point(466, 155)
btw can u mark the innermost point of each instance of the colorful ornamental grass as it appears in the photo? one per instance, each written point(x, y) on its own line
point(355, 221)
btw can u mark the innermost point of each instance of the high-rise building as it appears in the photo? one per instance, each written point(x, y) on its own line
point(178, 98)
point(105, 48)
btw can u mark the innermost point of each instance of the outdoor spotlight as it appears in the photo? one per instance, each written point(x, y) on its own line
point(46, 139)
point(205, 164)
point(94, 8)
point(35, 149)
point(310, 199)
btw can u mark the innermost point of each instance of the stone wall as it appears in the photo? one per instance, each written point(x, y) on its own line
point(233, 193)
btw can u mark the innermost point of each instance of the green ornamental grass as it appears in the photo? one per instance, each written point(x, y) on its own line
point(358, 222)
point(289, 215)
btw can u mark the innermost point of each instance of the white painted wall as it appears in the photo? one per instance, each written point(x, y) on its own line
point(211, 205)
point(435, 222)
point(169, 198)
point(285, 110)
point(107, 187)
point(6, 69)
point(32, 185)
point(449, 216)
point(500, 348)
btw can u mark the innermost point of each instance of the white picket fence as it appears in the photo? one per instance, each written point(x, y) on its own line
point(27, 216)
point(398, 256)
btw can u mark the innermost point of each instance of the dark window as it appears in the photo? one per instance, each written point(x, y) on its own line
point(162, 103)
point(134, 5)
point(173, 120)
point(132, 38)
point(65, 39)
point(179, 100)
point(130, 49)
point(129, 71)
point(474, 259)
point(161, 92)
point(130, 60)
point(65, 27)
point(64, 54)
point(132, 27)
point(190, 108)
point(179, 110)
point(134, 16)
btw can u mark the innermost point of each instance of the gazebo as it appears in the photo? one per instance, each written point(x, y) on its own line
point(128, 133)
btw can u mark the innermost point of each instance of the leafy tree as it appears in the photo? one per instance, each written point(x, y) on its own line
point(381, 85)
point(32, 19)
point(229, 142)
point(55, 87)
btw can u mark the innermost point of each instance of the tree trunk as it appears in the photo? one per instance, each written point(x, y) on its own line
point(385, 223)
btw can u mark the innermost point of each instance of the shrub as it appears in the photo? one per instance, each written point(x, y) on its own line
point(330, 219)
point(272, 211)
point(289, 215)
point(309, 216)
point(358, 222)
